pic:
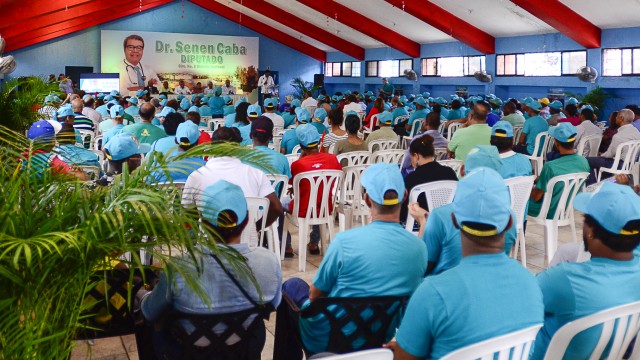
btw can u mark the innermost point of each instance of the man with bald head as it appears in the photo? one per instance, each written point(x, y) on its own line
point(89, 111)
point(81, 122)
point(145, 132)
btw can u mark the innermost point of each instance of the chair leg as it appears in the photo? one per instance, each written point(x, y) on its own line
point(285, 232)
point(273, 239)
point(332, 233)
point(572, 223)
point(342, 220)
point(551, 238)
point(523, 248)
point(303, 229)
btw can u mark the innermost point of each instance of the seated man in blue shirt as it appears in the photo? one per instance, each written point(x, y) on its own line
point(178, 170)
point(513, 163)
point(379, 259)
point(486, 295)
point(224, 212)
point(611, 231)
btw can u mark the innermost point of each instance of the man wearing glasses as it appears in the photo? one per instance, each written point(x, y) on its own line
point(135, 76)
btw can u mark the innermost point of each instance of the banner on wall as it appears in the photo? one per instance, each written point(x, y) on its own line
point(153, 58)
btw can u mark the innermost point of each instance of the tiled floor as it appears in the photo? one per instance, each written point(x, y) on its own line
point(125, 348)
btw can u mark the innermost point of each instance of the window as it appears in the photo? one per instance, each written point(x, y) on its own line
point(347, 69)
point(621, 62)
point(541, 64)
point(388, 68)
point(452, 66)
point(372, 68)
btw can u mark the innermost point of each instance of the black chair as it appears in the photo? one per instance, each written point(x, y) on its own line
point(238, 336)
point(356, 323)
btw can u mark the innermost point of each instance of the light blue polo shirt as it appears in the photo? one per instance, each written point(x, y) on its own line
point(164, 145)
point(532, 127)
point(418, 114)
point(205, 110)
point(179, 170)
point(514, 165)
point(132, 110)
point(216, 104)
point(115, 130)
point(483, 297)
point(380, 259)
point(455, 114)
point(289, 141)
point(575, 290)
point(288, 119)
point(245, 131)
point(443, 239)
point(229, 120)
point(276, 160)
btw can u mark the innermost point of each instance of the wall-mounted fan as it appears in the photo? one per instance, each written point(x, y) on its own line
point(410, 74)
point(482, 76)
point(587, 73)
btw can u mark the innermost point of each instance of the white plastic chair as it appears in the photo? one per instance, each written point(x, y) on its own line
point(515, 345)
point(538, 156)
point(279, 182)
point(257, 208)
point(291, 158)
point(92, 171)
point(354, 158)
point(630, 150)
point(97, 143)
point(593, 142)
point(351, 204)
point(100, 155)
point(549, 148)
point(456, 165)
point(275, 145)
point(215, 124)
point(564, 212)
point(91, 135)
point(311, 109)
point(373, 121)
point(374, 354)
point(318, 212)
point(625, 319)
point(452, 129)
point(442, 128)
point(205, 119)
point(438, 193)
point(296, 149)
point(441, 154)
point(378, 145)
point(394, 156)
point(520, 191)
point(517, 130)
point(602, 125)
point(415, 127)
point(399, 119)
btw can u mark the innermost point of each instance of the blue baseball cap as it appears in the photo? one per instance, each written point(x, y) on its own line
point(133, 100)
point(100, 96)
point(420, 101)
point(162, 96)
point(385, 117)
point(586, 107)
point(303, 115)
point(426, 94)
point(402, 100)
point(320, 113)
point(65, 111)
point(116, 110)
point(502, 129)
point(380, 178)
point(114, 93)
point(108, 98)
point(122, 146)
point(253, 111)
point(42, 130)
point(483, 156)
point(187, 133)
point(534, 105)
point(217, 90)
point(270, 103)
point(613, 206)
point(240, 101)
point(496, 101)
point(223, 196)
point(564, 132)
point(163, 102)
point(572, 100)
point(141, 93)
point(166, 111)
point(555, 104)
point(180, 97)
point(296, 103)
point(321, 97)
point(227, 100)
point(307, 135)
point(482, 197)
point(348, 92)
point(368, 93)
point(185, 104)
point(193, 108)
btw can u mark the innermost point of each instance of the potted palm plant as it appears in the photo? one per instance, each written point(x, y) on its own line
point(20, 98)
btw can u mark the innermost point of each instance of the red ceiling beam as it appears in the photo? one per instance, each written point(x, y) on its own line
point(304, 27)
point(565, 20)
point(364, 25)
point(448, 23)
point(17, 12)
point(261, 28)
point(52, 32)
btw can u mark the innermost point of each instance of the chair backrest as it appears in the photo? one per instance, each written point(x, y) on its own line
point(438, 193)
point(351, 190)
point(377, 145)
point(323, 189)
point(257, 208)
point(627, 152)
point(515, 345)
point(441, 154)
point(88, 138)
point(452, 129)
point(354, 158)
point(279, 183)
point(291, 158)
point(550, 143)
point(416, 126)
point(393, 156)
point(331, 148)
point(619, 326)
point(589, 145)
point(92, 171)
point(564, 188)
point(373, 354)
point(400, 119)
point(97, 143)
point(373, 121)
point(517, 130)
point(296, 149)
point(542, 142)
point(277, 140)
point(442, 128)
point(215, 124)
point(602, 125)
point(219, 336)
point(456, 165)
point(520, 191)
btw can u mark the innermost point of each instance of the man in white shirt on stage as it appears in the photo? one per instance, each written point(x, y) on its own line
point(267, 86)
point(182, 88)
point(228, 89)
point(135, 75)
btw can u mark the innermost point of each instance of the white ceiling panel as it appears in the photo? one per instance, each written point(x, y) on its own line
point(607, 14)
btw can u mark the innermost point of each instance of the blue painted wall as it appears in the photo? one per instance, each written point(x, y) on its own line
point(83, 48)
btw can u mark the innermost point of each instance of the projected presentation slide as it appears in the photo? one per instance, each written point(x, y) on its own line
point(100, 83)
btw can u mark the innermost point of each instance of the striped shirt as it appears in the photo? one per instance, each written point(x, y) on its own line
point(82, 122)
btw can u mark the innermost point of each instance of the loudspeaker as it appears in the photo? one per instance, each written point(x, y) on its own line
point(318, 80)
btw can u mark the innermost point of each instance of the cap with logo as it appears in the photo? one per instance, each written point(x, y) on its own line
point(483, 156)
point(303, 115)
point(227, 100)
point(122, 146)
point(564, 132)
point(223, 196)
point(187, 133)
point(502, 129)
point(402, 100)
point(307, 135)
point(42, 130)
point(378, 179)
point(262, 125)
point(253, 111)
point(482, 197)
point(534, 105)
point(141, 93)
point(270, 103)
point(555, 104)
point(613, 206)
point(116, 110)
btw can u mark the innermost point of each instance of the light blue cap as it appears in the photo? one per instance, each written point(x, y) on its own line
point(426, 94)
point(496, 101)
point(502, 129)
point(534, 105)
point(420, 101)
point(141, 93)
point(368, 93)
point(564, 132)
point(335, 98)
point(254, 111)
point(166, 111)
point(133, 100)
point(114, 93)
point(491, 96)
point(402, 100)
point(613, 206)
point(320, 113)
point(218, 90)
point(270, 103)
point(108, 98)
point(321, 97)
point(482, 197)
point(307, 135)
point(387, 106)
point(586, 107)
point(65, 111)
point(223, 196)
point(41, 130)
point(163, 102)
point(87, 97)
point(380, 178)
point(121, 147)
point(348, 92)
point(180, 97)
point(555, 104)
point(187, 133)
point(385, 117)
point(162, 96)
point(527, 100)
point(303, 115)
point(240, 101)
point(116, 110)
point(185, 104)
point(296, 103)
point(572, 100)
point(100, 96)
point(227, 99)
point(194, 108)
point(483, 156)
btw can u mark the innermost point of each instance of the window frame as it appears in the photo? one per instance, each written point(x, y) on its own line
point(622, 74)
point(377, 66)
point(465, 65)
point(332, 64)
point(522, 55)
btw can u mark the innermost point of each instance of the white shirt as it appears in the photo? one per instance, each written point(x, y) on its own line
point(266, 84)
point(129, 75)
point(309, 102)
point(228, 90)
point(184, 90)
point(95, 116)
point(278, 121)
point(625, 133)
point(253, 182)
point(586, 128)
point(209, 91)
point(351, 107)
point(48, 111)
